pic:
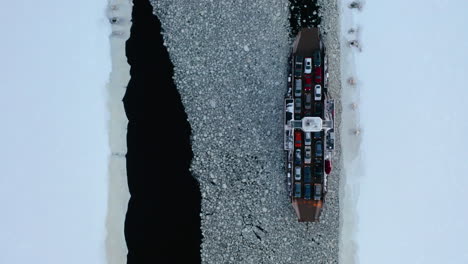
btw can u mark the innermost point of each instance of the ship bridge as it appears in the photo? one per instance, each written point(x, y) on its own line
point(312, 124)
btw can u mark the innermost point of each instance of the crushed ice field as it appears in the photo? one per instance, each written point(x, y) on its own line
point(230, 64)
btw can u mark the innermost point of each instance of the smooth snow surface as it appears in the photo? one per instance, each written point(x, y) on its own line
point(405, 195)
point(116, 248)
point(54, 137)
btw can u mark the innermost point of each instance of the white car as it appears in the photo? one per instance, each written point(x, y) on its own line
point(307, 139)
point(307, 155)
point(318, 92)
point(308, 65)
point(297, 173)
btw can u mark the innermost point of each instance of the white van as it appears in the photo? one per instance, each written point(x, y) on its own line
point(318, 92)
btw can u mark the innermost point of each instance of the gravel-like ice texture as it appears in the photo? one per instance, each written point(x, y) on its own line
point(230, 62)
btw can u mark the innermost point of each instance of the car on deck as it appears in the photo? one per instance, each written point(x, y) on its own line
point(317, 191)
point(307, 174)
point(307, 154)
point(308, 83)
point(298, 157)
point(318, 149)
point(318, 108)
point(318, 75)
point(307, 139)
point(308, 65)
point(328, 166)
point(297, 190)
point(308, 101)
point(298, 88)
point(297, 138)
point(297, 173)
point(307, 191)
point(318, 92)
point(317, 58)
point(297, 108)
point(298, 66)
point(317, 135)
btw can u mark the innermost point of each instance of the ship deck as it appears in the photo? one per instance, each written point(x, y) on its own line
point(306, 42)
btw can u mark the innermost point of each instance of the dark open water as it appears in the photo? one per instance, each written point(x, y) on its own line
point(162, 222)
point(163, 218)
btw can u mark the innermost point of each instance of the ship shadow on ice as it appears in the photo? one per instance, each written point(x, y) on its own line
point(162, 223)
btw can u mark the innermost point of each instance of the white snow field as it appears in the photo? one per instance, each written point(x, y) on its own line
point(119, 11)
point(405, 181)
point(57, 148)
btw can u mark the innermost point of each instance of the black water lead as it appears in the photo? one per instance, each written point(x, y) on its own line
point(162, 224)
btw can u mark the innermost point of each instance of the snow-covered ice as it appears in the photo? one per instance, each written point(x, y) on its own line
point(55, 133)
point(119, 11)
point(404, 182)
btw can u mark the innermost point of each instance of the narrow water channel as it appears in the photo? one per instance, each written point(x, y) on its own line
point(162, 223)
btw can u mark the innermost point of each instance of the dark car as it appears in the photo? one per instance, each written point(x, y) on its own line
point(298, 88)
point(298, 157)
point(297, 190)
point(298, 66)
point(308, 101)
point(317, 191)
point(317, 135)
point(318, 172)
point(297, 105)
point(318, 109)
point(307, 191)
point(318, 149)
point(307, 174)
point(317, 58)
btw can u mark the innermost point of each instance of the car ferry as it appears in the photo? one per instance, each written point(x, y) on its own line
point(308, 126)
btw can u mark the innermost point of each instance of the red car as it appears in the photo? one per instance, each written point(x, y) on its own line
point(297, 139)
point(308, 82)
point(328, 166)
point(318, 75)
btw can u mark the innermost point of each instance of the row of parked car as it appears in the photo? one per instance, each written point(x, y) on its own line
point(307, 88)
point(309, 110)
point(307, 172)
point(308, 136)
point(309, 65)
point(308, 101)
point(309, 193)
point(308, 153)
